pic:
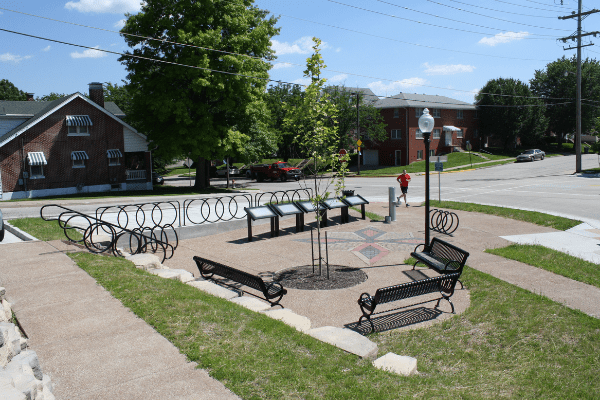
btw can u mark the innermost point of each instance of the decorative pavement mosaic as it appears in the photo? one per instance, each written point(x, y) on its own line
point(370, 244)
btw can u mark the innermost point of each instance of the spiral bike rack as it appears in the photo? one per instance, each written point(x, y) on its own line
point(94, 232)
point(283, 196)
point(442, 221)
point(223, 208)
point(134, 216)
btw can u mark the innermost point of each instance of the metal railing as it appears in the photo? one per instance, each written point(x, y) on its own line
point(99, 236)
point(132, 174)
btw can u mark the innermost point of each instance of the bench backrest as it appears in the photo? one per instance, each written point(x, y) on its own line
point(212, 267)
point(442, 283)
point(446, 252)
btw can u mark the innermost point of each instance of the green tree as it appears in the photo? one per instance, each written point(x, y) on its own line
point(559, 93)
point(276, 98)
point(315, 121)
point(210, 110)
point(508, 111)
point(370, 118)
point(8, 91)
point(50, 97)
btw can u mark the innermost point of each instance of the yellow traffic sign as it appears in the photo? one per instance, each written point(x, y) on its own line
point(358, 148)
point(359, 142)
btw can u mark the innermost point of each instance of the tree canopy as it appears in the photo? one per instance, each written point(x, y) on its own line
point(508, 111)
point(558, 89)
point(215, 106)
point(8, 91)
point(277, 97)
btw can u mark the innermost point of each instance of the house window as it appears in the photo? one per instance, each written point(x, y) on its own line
point(78, 159)
point(476, 133)
point(459, 133)
point(396, 134)
point(436, 113)
point(419, 154)
point(459, 114)
point(36, 161)
point(436, 133)
point(431, 153)
point(418, 112)
point(396, 113)
point(114, 156)
point(419, 134)
point(78, 125)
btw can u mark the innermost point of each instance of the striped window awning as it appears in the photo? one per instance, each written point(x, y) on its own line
point(79, 120)
point(114, 153)
point(79, 155)
point(36, 158)
point(451, 128)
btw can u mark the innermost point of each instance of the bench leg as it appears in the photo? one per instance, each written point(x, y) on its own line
point(449, 301)
point(368, 318)
point(461, 284)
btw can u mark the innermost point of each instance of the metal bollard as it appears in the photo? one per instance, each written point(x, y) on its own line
point(392, 194)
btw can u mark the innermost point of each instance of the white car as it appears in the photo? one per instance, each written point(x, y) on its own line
point(232, 171)
point(531, 155)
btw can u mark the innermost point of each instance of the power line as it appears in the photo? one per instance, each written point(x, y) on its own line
point(533, 8)
point(499, 19)
point(434, 25)
point(548, 5)
point(467, 23)
point(502, 11)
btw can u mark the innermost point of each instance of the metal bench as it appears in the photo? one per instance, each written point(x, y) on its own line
point(441, 256)
point(272, 291)
point(444, 284)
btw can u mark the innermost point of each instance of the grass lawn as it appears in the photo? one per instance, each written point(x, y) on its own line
point(534, 217)
point(510, 343)
point(44, 230)
point(553, 261)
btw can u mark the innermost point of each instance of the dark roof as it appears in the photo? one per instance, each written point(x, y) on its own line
point(415, 100)
point(366, 93)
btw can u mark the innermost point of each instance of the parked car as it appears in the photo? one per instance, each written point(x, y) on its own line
point(279, 170)
point(232, 171)
point(531, 155)
point(1, 226)
point(157, 179)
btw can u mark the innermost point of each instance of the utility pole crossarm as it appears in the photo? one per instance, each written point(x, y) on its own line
point(580, 14)
point(573, 37)
point(577, 47)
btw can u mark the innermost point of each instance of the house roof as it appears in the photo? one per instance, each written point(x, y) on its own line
point(366, 93)
point(414, 100)
point(36, 111)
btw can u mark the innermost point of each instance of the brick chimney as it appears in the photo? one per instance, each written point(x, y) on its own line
point(29, 96)
point(97, 93)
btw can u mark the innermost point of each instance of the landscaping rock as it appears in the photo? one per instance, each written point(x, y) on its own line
point(179, 274)
point(28, 385)
point(29, 358)
point(401, 365)
point(11, 393)
point(346, 339)
point(145, 261)
point(214, 289)
point(2, 291)
point(7, 309)
point(11, 343)
point(287, 316)
point(251, 303)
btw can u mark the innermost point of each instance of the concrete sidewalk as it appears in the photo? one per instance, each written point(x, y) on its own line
point(86, 340)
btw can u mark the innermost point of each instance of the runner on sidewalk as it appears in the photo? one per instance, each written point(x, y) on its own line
point(403, 179)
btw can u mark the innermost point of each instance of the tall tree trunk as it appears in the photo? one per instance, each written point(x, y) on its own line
point(202, 174)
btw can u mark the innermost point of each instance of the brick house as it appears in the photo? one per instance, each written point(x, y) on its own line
point(70, 145)
point(456, 122)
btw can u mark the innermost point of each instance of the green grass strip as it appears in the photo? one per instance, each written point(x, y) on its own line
point(368, 214)
point(44, 230)
point(533, 217)
point(509, 343)
point(551, 260)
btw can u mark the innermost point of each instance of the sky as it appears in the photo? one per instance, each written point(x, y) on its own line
point(438, 47)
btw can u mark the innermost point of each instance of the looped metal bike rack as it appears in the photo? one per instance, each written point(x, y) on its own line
point(442, 221)
point(100, 236)
point(283, 196)
point(214, 209)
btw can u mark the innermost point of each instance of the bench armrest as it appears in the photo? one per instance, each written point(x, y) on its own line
point(419, 245)
point(363, 297)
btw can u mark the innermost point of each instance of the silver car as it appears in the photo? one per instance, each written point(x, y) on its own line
point(531, 155)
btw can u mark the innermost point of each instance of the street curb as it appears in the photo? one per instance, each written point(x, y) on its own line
point(18, 233)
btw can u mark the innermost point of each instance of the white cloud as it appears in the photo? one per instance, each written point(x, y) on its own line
point(302, 81)
point(47, 48)
point(448, 69)
point(381, 88)
point(89, 53)
point(13, 58)
point(105, 6)
point(282, 65)
point(503, 38)
point(301, 46)
point(119, 24)
point(337, 78)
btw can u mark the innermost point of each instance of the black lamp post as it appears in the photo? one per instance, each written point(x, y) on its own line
point(426, 123)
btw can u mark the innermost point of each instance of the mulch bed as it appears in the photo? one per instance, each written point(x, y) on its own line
point(302, 277)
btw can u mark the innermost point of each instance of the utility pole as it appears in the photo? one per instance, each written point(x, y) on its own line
point(578, 36)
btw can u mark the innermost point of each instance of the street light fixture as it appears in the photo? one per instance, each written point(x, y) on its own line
point(426, 123)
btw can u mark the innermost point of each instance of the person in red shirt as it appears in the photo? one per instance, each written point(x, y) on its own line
point(403, 179)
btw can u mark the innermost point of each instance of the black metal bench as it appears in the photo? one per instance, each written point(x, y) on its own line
point(272, 291)
point(444, 284)
point(441, 256)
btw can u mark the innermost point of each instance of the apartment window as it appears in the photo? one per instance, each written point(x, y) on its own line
point(459, 133)
point(436, 113)
point(36, 161)
point(78, 159)
point(419, 154)
point(396, 134)
point(431, 153)
point(78, 125)
point(459, 114)
point(396, 113)
point(114, 156)
point(436, 133)
point(419, 134)
point(418, 112)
